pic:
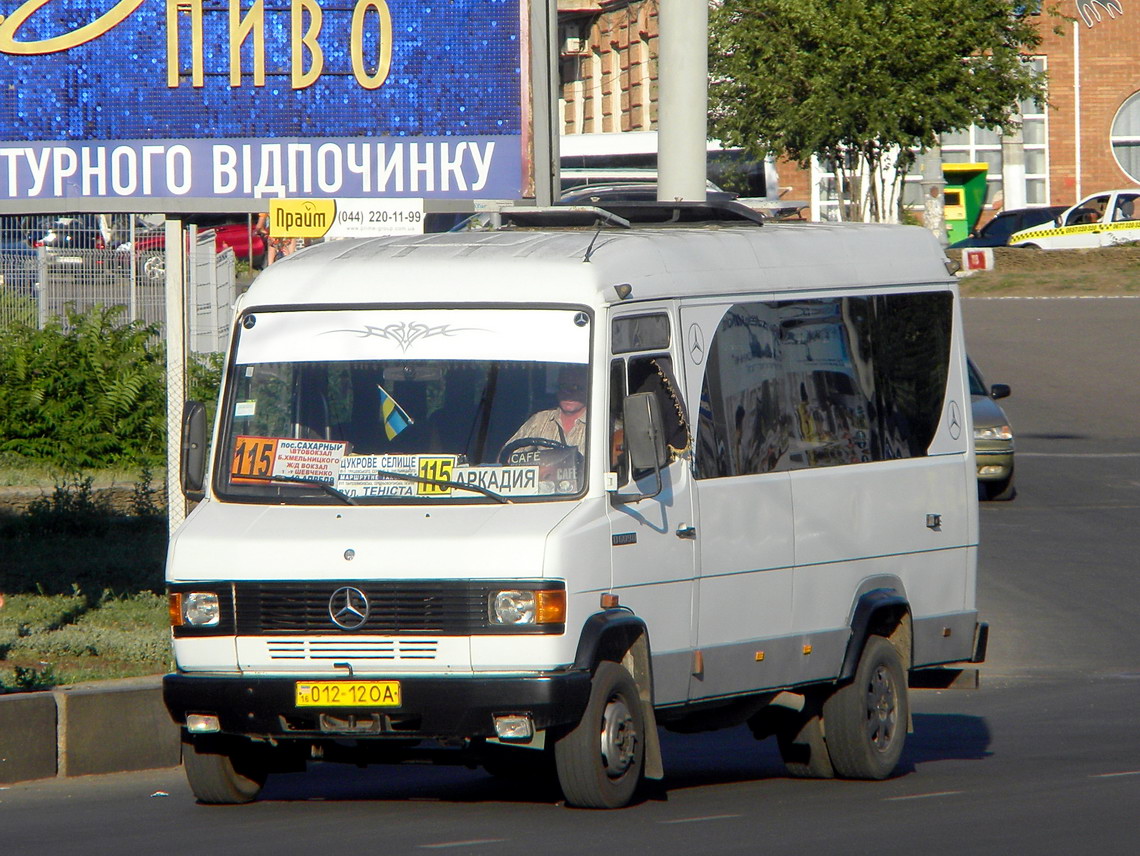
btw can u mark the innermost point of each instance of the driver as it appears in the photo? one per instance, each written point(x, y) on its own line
point(565, 423)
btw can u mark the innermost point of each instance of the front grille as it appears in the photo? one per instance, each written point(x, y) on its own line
point(351, 649)
point(447, 608)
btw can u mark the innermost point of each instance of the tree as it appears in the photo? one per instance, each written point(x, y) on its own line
point(866, 85)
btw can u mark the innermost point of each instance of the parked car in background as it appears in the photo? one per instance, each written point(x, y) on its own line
point(76, 249)
point(997, 231)
point(1101, 220)
point(234, 231)
point(993, 437)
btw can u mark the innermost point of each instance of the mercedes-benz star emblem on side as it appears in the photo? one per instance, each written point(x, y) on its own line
point(348, 608)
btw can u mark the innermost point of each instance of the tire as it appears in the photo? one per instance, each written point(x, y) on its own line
point(802, 746)
point(866, 720)
point(601, 761)
point(222, 770)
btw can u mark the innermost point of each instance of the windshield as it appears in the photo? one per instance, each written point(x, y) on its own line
point(430, 405)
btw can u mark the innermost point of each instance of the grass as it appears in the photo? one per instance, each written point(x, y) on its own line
point(50, 640)
point(81, 582)
point(1110, 271)
point(30, 476)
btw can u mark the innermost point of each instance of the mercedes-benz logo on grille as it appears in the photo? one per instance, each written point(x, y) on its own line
point(348, 608)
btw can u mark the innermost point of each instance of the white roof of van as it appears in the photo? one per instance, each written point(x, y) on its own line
point(550, 266)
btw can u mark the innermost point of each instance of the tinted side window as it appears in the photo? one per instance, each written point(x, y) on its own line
point(813, 383)
point(744, 425)
point(1002, 227)
point(910, 335)
point(827, 360)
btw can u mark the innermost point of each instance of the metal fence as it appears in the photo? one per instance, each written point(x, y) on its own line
point(52, 264)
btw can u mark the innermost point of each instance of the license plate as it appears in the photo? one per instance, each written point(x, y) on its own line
point(347, 693)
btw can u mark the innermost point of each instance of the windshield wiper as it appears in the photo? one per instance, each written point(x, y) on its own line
point(323, 485)
point(442, 483)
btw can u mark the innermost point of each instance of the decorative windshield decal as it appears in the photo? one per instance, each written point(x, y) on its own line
point(405, 334)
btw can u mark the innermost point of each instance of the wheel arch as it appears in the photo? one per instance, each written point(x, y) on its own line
point(880, 608)
point(620, 636)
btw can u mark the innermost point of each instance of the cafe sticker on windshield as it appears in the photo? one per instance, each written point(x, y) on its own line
point(262, 457)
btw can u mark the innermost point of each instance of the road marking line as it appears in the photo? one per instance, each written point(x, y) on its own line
point(701, 819)
point(443, 845)
point(1115, 775)
point(923, 796)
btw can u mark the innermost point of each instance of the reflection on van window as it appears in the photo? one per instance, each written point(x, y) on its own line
point(813, 383)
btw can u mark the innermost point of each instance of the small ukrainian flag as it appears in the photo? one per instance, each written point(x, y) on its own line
point(395, 419)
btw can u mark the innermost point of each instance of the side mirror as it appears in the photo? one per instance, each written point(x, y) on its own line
point(1000, 390)
point(194, 450)
point(644, 441)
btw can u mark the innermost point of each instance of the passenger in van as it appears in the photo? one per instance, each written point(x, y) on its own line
point(565, 423)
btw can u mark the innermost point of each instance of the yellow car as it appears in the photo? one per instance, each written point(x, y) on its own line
point(1101, 220)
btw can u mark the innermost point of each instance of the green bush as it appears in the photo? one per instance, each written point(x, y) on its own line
point(83, 394)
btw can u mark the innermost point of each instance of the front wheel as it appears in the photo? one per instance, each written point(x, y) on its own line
point(223, 770)
point(866, 720)
point(600, 763)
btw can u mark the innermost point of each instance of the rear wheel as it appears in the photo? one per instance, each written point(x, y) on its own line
point(600, 763)
point(867, 719)
point(223, 770)
point(800, 738)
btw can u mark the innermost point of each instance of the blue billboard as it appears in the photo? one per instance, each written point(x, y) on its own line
point(240, 100)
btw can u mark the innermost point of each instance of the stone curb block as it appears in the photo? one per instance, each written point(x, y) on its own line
point(103, 727)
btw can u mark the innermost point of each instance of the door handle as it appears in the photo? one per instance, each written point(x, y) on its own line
point(688, 532)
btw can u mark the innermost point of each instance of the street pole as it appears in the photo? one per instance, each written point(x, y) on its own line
point(682, 102)
point(175, 372)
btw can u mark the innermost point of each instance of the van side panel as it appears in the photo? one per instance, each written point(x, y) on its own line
point(835, 453)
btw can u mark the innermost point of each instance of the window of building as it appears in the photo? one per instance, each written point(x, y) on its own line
point(1126, 137)
point(1035, 140)
point(984, 145)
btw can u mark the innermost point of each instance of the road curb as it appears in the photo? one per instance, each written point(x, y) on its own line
point(85, 729)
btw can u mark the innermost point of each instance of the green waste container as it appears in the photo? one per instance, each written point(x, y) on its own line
point(965, 194)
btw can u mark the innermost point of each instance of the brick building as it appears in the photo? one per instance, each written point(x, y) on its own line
point(1086, 140)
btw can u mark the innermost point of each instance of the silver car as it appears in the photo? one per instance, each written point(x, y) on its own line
point(993, 438)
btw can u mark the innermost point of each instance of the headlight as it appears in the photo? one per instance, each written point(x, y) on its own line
point(513, 607)
point(993, 432)
point(195, 609)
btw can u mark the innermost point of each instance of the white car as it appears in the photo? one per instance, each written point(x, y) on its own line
point(1101, 220)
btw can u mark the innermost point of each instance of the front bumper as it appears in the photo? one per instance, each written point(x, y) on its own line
point(431, 707)
point(994, 465)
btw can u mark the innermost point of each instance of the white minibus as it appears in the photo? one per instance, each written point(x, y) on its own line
point(521, 497)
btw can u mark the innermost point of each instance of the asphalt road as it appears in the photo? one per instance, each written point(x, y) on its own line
point(1044, 758)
